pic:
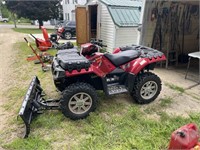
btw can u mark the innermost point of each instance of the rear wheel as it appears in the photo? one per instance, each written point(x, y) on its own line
point(147, 88)
point(68, 35)
point(78, 100)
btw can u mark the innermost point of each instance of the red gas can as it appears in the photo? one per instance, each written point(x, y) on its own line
point(186, 137)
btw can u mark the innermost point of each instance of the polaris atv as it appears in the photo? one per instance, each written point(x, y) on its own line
point(79, 75)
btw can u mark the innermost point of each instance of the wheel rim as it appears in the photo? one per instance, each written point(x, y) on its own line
point(149, 90)
point(80, 103)
point(68, 35)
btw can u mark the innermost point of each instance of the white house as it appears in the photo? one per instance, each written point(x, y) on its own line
point(69, 8)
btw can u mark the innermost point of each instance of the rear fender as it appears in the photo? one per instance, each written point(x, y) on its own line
point(139, 64)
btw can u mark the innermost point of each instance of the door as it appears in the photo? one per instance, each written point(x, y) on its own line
point(81, 25)
point(92, 10)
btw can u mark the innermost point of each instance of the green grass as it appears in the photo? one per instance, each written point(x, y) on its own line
point(131, 131)
point(159, 107)
point(9, 22)
point(165, 101)
point(29, 143)
point(175, 87)
point(33, 31)
point(115, 125)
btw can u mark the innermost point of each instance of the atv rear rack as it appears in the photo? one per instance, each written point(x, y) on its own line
point(34, 103)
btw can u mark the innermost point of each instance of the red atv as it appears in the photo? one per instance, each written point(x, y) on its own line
point(79, 75)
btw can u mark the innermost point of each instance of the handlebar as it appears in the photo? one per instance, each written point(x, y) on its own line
point(33, 36)
point(26, 40)
point(98, 42)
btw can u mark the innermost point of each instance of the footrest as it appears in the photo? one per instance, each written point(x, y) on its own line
point(116, 89)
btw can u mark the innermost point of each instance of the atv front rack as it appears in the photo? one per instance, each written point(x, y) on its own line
point(34, 103)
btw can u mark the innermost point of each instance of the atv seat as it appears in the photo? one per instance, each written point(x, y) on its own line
point(123, 57)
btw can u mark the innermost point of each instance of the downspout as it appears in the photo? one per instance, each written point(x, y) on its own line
point(142, 22)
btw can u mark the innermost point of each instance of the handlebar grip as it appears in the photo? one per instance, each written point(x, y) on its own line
point(33, 36)
point(26, 40)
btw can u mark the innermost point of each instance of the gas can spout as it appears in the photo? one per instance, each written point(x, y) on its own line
point(181, 133)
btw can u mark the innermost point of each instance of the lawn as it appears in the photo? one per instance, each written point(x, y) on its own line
point(10, 22)
point(118, 123)
point(32, 30)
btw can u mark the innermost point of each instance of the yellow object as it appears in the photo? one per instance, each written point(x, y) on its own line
point(28, 44)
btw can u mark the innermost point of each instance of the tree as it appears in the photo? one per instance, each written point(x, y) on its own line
point(35, 10)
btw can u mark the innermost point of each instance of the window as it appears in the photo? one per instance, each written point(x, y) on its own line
point(67, 16)
point(66, 1)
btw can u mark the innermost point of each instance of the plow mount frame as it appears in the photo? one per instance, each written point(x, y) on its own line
point(34, 103)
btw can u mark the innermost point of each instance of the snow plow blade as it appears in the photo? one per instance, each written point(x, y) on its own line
point(30, 104)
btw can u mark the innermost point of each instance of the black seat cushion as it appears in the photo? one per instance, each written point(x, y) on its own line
point(123, 57)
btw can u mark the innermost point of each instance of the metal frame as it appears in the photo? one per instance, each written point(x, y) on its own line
point(34, 103)
point(193, 55)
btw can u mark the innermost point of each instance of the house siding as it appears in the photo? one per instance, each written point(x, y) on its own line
point(107, 28)
point(126, 36)
point(69, 7)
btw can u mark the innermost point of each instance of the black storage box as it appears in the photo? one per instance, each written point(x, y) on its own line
point(72, 61)
point(67, 51)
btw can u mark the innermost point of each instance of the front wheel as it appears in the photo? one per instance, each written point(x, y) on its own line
point(78, 100)
point(147, 88)
point(67, 35)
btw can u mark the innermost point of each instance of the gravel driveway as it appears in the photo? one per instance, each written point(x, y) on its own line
point(7, 57)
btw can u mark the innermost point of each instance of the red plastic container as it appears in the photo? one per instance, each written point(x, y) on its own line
point(186, 137)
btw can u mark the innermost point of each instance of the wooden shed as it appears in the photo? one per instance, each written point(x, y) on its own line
point(171, 27)
point(113, 21)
